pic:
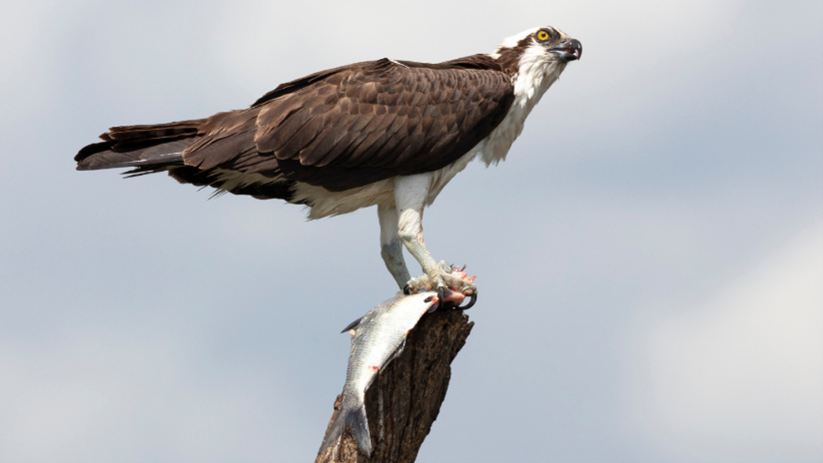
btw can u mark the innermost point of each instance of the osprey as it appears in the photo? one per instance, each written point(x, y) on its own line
point(386, 133)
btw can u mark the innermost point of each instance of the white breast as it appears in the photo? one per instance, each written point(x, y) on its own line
point(537, 73)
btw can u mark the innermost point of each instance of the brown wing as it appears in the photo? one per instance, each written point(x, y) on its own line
point(339, 129)
point(376, 120)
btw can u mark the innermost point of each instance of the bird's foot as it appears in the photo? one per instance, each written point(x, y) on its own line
point(444, 277)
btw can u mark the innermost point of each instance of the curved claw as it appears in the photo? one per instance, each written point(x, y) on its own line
point(407, 290)
point(441, 294)
point(472, 300)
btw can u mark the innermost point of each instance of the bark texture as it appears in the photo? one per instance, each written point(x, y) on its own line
point(404, 400)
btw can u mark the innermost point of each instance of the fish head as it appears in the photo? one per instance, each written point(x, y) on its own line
point(450, 300)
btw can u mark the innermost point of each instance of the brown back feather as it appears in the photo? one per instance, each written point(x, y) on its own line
point(339, 129)
point(374, 120)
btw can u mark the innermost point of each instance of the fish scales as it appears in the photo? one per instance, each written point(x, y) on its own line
point(379, 336)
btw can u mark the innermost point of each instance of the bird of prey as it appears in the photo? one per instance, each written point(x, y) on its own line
point(386, 133)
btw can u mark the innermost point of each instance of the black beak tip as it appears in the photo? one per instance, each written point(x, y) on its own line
point(569, 50)
point(577, 48)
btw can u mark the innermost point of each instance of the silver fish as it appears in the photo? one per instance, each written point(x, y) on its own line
point(379, 336)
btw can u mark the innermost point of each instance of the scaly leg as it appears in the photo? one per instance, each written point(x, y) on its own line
point(410, 194)
point(390, 247)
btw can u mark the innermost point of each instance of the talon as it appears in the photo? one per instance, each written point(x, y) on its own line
point(472, 300)
point(448, 282)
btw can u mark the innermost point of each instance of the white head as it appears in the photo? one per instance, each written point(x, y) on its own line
point(533, 59)
point(546, 47)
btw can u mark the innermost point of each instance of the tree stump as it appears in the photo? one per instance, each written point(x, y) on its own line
point(404, 400)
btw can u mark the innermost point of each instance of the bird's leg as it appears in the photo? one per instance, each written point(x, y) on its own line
point(410, 194)
point(390, 247)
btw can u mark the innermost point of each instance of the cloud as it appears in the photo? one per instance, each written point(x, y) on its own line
point(327, 34)
point(743, 372)
point(141, 322)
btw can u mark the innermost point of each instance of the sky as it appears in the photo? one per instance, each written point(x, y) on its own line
point(649, 257)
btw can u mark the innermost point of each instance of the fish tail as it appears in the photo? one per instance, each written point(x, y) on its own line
point(360, 428)
point(353, 414)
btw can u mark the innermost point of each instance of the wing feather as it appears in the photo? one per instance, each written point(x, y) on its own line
point(338, 129)
point(440, 125)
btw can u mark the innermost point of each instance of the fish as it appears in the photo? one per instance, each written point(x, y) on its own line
point(377, 338)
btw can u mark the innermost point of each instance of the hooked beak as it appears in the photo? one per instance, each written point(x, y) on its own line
point(568, 50)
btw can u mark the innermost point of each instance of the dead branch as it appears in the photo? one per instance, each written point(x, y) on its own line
point(404, 400)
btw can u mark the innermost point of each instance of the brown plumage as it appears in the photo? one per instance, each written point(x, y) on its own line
point(338, 129)
point(380, 133)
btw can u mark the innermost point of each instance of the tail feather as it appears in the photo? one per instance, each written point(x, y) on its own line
point(219, 152)
point(139, 145)
point(354, 415)
point(155, 131)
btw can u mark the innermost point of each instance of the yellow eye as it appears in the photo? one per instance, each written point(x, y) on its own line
point(542, 35)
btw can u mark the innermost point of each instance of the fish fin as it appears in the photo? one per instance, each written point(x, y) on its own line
point(352, 325)
point(356, 417)
point(394, 355)
point(360, 429)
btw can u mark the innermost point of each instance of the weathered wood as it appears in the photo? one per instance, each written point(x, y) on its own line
point(404, 400)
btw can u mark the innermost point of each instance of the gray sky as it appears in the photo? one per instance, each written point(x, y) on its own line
point(649, 257)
